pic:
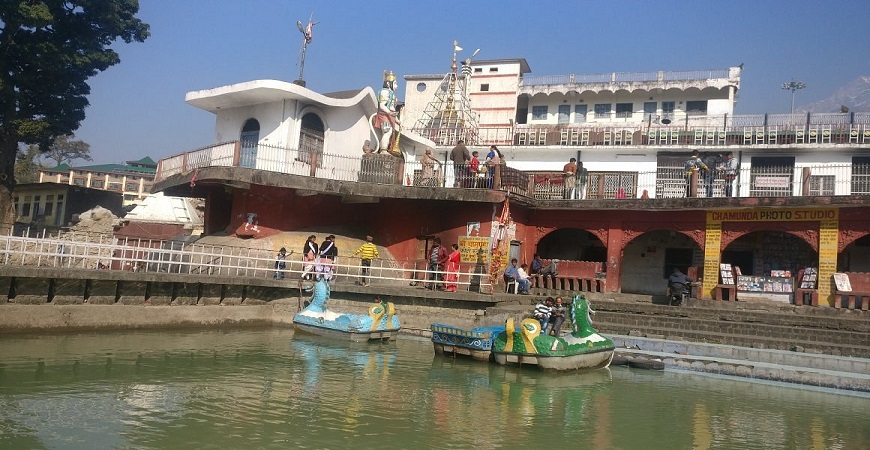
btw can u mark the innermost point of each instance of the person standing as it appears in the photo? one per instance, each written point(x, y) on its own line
point(451, 277)
point(328, 253)
point(367, 252)
point(730, 168)
point(473, 169)
point(569, 177)
point(582, 175)
point(437, 258)
point(280, 264)
point(309, 254)
point(431, 169)
point(460, 157)
point(493, 159)
point(713, 162)
point(692, 166)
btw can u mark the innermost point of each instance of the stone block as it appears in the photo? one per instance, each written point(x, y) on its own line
point(160, 293)
point(211, 294)
point(102, 292)
point(233, 295)
point(31, 291)
point(262, 294)
point(68, 291)
point(132, 292)
point(185, 294)
point(5, 286)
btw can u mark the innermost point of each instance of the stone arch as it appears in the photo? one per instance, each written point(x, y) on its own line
point(574, 244)
point(855, 256)
point(649, 256)
point(762, 250)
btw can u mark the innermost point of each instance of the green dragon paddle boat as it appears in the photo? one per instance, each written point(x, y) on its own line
point(582, 349)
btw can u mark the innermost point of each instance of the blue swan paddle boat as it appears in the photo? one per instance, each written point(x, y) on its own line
point(380, 324)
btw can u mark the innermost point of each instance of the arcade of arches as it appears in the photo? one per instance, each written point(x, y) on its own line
point(757, 247)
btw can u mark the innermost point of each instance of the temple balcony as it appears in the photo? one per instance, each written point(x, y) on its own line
point(660, 175)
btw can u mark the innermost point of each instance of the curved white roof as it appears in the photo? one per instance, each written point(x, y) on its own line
point(265, 91)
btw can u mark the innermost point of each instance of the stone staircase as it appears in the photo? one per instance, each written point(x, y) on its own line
point(747, 324)
point(838, 372)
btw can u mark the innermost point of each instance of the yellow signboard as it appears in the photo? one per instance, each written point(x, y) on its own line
point(470, 248)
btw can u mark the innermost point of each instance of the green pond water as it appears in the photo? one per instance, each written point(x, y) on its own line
point(269, 388)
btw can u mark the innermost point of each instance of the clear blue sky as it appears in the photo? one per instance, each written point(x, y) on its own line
point(138, 109)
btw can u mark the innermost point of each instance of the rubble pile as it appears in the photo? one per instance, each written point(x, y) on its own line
point(97, 220)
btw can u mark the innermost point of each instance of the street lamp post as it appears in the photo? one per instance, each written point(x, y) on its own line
point(793, 86)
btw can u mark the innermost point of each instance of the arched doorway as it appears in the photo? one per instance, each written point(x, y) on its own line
point(855, 257)
point(249, 139)
point(572, 244)
point(311, 136)
point(759, 252)
point(649, 259)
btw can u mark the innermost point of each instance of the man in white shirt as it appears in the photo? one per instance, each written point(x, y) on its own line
point(523, 279)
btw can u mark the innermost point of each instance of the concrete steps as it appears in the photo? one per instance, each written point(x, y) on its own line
point(828, 371)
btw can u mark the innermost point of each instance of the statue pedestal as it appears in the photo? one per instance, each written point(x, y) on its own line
point(380, 168)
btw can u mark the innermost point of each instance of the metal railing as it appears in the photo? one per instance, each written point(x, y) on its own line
point(675, 182)
point(618, 77)
point(105, 252)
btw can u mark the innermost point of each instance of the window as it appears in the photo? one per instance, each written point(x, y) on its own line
point(539, 112)
point(771, 176)
point(484, 87)
point(493, 69)
point(421, 87)
point(580, 113)
point(624, 109)
point(132, 187)
point(696, 107)
point(59, 197)
point(49, 209)
point(478, 70)
point(822, 185)
point(602, 111)
point(649, 109)
point(25, 210)
point(861, 175)
point(668, 107)
point(98, 184)
point(79, 181)
point(564, 113)
point(114, 186)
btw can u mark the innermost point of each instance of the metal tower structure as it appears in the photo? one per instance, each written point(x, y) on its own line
point(448, 118)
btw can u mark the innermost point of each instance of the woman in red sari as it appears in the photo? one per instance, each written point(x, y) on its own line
point(452, 270)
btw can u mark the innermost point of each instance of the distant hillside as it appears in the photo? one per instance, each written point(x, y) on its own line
point(855, 96)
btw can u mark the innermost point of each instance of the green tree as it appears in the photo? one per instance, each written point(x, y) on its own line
point(27, 165)
point(64, 150)
point(48, 51)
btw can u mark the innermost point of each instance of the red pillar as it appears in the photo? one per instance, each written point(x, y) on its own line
point(614, 257)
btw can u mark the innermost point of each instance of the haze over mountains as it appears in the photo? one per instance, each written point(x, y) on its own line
point(855, 96)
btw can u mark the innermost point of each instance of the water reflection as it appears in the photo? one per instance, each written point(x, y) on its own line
point(269, 388)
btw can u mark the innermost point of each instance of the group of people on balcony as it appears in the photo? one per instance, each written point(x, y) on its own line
point(710, 168)
point(469, 171)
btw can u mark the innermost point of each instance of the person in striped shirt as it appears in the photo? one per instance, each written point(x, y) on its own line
point(367, 252)
point(543, 311)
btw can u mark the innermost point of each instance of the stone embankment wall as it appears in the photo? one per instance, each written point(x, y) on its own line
point(56, 300)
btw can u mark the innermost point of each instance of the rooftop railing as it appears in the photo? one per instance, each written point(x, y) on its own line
point(618, 77)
